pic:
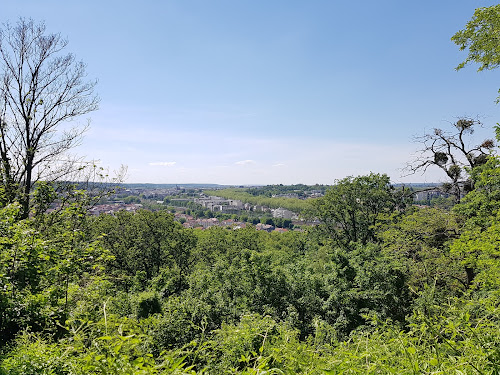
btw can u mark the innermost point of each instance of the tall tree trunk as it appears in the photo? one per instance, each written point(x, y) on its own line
point(25, 199)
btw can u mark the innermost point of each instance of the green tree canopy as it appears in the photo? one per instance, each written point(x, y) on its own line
point(350, 211)
point(145, 242)
point(481, 38)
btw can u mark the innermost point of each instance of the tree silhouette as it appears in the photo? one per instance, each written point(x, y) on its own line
point(41, 89)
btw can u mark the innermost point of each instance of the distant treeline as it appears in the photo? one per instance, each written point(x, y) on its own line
point(298, 189)
point(169, 186)
point(292, 204)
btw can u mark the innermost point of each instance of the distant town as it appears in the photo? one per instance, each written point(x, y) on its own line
point(201, 206)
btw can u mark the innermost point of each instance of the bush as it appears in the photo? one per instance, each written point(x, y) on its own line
point(146, 304)
point(34, 356)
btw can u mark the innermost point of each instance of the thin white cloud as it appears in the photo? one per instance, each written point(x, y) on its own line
point(318, 161)
point(245, 162)
point(164, 163)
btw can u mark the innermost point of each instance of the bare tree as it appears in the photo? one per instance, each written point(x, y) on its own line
point(450, 152)
point(42, 88)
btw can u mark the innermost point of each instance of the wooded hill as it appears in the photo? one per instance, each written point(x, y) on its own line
point(378, 287)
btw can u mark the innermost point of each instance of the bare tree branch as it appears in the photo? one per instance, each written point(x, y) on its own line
point(450, 152)
point(41, 88)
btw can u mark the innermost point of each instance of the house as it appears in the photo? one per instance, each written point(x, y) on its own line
point(283, 213)
point(266, 227)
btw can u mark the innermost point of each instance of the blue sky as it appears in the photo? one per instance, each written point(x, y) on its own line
point(263, 92)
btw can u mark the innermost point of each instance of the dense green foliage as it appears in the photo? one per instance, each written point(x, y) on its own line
point(352, 210)
point(299, 189)
point(377, 287)
point(480, 38)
